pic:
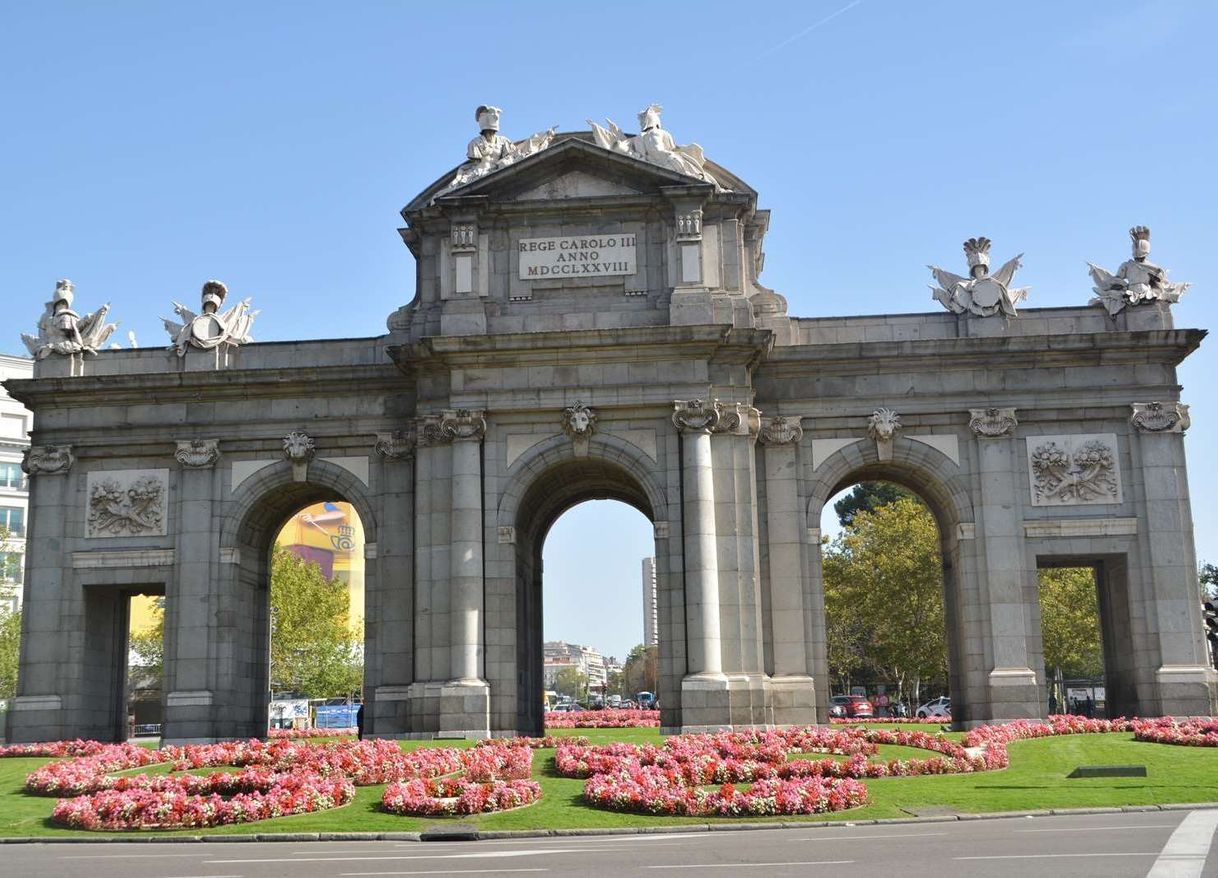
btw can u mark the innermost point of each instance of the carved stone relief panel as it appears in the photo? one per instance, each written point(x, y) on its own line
point(127, 503)
point(1074, 470)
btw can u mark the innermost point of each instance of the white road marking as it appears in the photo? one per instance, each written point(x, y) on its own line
point(1184, 854)
point(1056, 856)
point(445, 871)
point(754, 865)
point(865, 837)
point(476, 855)
point(1098, 828)
point(196, 855)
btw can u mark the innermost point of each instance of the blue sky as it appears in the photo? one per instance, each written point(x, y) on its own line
point(147, 147)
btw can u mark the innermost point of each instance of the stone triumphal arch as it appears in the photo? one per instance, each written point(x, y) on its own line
point(588, 322)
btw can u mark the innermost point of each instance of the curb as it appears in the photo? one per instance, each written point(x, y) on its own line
point(471, 834)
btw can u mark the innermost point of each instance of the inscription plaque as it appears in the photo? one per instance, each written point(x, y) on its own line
point(578, 256)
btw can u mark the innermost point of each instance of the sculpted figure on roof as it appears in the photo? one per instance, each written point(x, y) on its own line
point(654, 145)
point(1137, 281)
point(490, 150)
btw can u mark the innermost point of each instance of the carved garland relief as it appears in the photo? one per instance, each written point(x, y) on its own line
point(126, 503)
point(1074, 470)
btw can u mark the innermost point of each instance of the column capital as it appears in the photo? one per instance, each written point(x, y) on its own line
point(992, 423)
point(398, 445)
point(780, 430)
point(1160, 417)
point(197, 453)
point(451, 425)
point(47, 460)
point(737, 418)
point(696, 415)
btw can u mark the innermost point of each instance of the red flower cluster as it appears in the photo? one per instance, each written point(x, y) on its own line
point(895, 720)
point(496, 779)
point(1198, 732)
point(603, 719)
point(1058, 724)
point(294, 734)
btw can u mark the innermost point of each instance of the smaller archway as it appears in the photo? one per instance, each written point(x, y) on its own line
point(264, 505)
point(939, 484)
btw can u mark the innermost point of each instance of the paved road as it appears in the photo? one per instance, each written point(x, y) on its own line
point(1173, 844)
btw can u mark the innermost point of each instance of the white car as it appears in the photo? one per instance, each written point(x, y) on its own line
point(939, 707)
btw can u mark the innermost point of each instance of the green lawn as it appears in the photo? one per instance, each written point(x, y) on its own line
point(1035, 780)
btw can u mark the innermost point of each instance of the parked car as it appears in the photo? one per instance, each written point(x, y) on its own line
point(936, 708)
point(850, 706)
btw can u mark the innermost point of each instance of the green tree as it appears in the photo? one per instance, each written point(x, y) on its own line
point(1070, 622)
point(149, 646)
point(884, 596)
point(1208, 576)
point(641, 673)
point(867, 497)
point(572, 682)
point(10, 626)
point(314, 651)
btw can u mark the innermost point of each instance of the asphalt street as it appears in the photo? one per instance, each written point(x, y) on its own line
point(1171, 844)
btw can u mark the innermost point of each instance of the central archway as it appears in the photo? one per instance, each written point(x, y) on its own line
point(549, 482)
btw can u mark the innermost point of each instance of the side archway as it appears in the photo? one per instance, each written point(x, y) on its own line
point(943, 487)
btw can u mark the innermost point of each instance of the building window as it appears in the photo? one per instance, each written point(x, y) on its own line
point(11, 476)
point(12, 519)
point(11, 566)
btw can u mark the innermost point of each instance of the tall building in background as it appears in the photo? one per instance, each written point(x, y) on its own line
point(651, 615)
point(15, 426)
point(558, 654)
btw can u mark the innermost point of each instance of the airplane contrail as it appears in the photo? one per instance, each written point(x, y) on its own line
point(807, 30)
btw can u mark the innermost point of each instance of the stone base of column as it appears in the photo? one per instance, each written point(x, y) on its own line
point(34, 718)
point(793, 699)
point(1013, 694)
point(387, 712)
point(465, 709)
point(714, 702)
point(190, 718)
point(1185, 690)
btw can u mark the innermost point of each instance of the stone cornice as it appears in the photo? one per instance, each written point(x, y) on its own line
point(163, 387)
point(1169, 346)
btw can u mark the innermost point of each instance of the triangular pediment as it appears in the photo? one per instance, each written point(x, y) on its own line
point(570, 168)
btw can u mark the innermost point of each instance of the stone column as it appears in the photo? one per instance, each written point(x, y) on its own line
point(465, 575)
point(1013, 691)
point(191, 605)
point(465, 698)
point(46, 682)
point(1184, 682)
point(793, 691)
point(695, 419)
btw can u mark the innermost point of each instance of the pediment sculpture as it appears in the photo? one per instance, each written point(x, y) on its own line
point(211, 328)
point(981, 293)
point(654, 145)
point(490, 150)
point(1137, 281)
point(63, 332)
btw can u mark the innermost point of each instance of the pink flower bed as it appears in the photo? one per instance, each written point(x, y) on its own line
point(294, 734)
point(1200, 732)
point(546, 742)
point(496, 779)
point(895, 720)
point(1058, 724)
point(603, 719)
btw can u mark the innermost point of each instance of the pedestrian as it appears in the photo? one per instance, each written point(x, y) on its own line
point(359, 722)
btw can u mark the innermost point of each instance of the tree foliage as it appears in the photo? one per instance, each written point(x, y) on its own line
point(571, 681)
point(313, 648)
point(149, 646)
point(867, 497)
point(1208, 575)
point(10, 633)
point(884, 596)
point(641, 673)
point(1070, 622)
